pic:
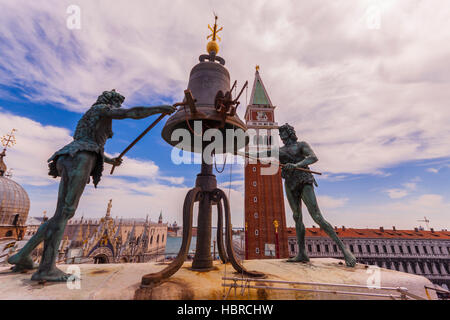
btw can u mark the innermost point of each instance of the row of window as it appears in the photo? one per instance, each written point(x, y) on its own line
point(157, 239)
point(417, 268)
point(382, 249)
point(400, 249)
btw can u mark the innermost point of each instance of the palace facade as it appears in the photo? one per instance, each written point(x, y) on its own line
point(109, 240)
point(425, 253)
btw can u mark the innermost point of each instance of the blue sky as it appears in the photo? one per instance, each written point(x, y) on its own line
point(372, 100)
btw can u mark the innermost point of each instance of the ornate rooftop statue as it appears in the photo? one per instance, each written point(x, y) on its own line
point(295, 157)
point(75, 163)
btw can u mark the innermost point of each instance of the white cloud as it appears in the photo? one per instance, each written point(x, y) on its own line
point(361, 97)
point(397, 193)
point(408, 187)
point(364, 99)
point(35, 144)
point(142, 169)
point(404, 214)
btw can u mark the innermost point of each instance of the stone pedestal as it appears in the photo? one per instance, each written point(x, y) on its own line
point(121, 281)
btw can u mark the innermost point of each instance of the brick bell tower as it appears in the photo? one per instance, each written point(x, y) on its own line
point(265, 219)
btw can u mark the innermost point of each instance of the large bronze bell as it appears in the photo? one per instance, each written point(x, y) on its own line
point(208, 89)
point(208, 99)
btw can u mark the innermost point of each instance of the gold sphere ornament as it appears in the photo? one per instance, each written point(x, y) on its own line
point(212, 46)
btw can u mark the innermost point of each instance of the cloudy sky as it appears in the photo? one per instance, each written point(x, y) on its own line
point(366, 83)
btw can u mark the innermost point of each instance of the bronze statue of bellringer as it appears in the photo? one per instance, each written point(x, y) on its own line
point(75, 163)
point(295, 157)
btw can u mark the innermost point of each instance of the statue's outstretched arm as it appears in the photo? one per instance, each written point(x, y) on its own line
point(138, 112)
point(310, 156)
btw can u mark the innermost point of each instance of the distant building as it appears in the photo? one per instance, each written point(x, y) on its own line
point(109, 240)
point(32, 224)
point(265, 218)
point(425, 253)
point(173, 230)
point(14, 205)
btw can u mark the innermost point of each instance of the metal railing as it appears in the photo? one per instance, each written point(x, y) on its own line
point(245, 284)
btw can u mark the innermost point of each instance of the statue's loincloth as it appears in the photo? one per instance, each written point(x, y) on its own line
point(72, 149)
point(296, 179)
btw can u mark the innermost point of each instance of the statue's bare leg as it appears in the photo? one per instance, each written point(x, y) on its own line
point(22, 260)
point(75, 173)
point(296, 207)
point(309, 198)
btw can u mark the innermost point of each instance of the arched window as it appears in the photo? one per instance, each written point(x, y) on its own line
point(162, 240)
point(254, 183)
point(255, 199)
point(254, 169)
point(151, 239)
point(157, 239)
point(257, 250)
point(256, 232)
point(256, 215)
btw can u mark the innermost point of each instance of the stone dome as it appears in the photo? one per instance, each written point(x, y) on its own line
point(13, 200)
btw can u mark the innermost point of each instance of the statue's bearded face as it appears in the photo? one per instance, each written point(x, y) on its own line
point(112, 98)
point(284, 135)
point(287, 134)
point(116, 102)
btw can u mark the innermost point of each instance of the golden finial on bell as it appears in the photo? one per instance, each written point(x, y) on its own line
point(213, 45)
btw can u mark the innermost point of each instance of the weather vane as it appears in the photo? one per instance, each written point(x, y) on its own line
point(214, 30)
point(8, 140)
point(213, 45)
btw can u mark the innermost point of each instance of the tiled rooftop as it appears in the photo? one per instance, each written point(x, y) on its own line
point(376, 233)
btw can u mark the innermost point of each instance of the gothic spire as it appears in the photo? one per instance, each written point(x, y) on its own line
point(259, 94)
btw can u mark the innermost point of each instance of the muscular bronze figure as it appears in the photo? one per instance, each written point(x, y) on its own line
point(75, 164)
point(299, 187)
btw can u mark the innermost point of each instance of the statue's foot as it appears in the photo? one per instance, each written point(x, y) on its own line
point(22, 263)
point(55, 275)
point(350, 260)
point(301, 257)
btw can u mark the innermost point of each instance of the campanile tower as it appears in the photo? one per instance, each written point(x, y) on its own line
point(265, 219)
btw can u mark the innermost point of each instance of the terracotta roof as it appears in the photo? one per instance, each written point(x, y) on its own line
point(376, 233)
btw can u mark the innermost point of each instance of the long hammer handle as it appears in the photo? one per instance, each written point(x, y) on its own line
point(282, 165)
point(139, 138)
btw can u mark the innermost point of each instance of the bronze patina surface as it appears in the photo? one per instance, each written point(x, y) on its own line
point(75, 163)
point(299, 186)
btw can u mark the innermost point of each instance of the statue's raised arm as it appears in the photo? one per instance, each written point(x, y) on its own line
point(76, 163)
point(137, 112)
